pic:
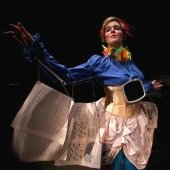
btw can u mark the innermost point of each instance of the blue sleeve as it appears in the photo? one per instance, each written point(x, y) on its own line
point(81, 72)
point(148, 87)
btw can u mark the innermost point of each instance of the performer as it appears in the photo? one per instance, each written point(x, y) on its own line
point(127, 128)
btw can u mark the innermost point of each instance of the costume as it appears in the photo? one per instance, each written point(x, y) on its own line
point(94, 133)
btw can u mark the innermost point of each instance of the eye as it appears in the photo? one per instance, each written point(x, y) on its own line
point(117, 27)
point(108, 29)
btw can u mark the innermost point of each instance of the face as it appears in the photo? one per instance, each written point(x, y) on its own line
point(113, 34)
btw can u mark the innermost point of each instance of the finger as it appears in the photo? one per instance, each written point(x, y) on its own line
point(18, 40)
point(16, 30)
point(22, 28)
point(17, 35)
point(9, 32)
point(26, 42)
point(23, 39)
point(20, 34)
point(16, 27)
point(26, 35)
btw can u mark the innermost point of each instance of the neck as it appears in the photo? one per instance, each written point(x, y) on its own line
point(115, 46)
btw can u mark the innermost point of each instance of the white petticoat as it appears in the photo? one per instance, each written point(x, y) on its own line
point(50, 126)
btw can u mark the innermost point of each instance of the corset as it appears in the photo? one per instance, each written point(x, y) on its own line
point(116, 104)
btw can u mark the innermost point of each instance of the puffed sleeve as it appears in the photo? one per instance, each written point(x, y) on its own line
point(78, 73)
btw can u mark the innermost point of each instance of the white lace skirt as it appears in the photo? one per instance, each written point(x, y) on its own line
point(50, 126)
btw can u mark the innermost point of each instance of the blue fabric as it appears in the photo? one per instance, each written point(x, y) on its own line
point(122, 163)
point(106, 70)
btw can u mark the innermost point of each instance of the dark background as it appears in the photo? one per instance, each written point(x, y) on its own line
point(70, 31)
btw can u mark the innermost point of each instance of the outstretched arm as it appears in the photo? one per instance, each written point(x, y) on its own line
point(152, 85)
point(34, 49)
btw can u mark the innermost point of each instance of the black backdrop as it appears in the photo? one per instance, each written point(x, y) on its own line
point(70, 31)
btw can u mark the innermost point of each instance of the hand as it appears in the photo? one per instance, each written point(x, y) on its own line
point(157, 84)
point(20, 34)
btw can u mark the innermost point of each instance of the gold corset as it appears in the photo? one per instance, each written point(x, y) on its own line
point(116, 104)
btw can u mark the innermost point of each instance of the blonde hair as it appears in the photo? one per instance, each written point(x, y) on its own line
point(124, 26)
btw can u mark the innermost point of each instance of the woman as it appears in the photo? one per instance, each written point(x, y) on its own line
point(128, 127)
